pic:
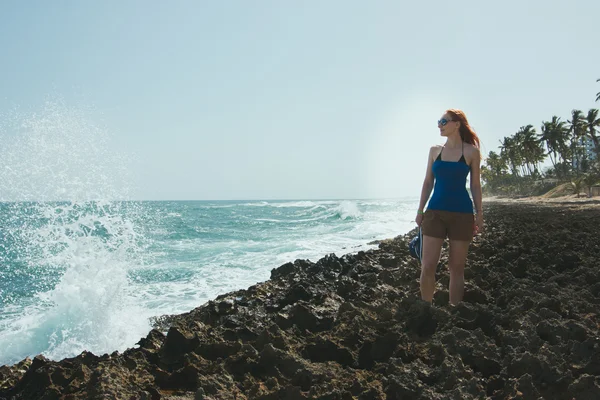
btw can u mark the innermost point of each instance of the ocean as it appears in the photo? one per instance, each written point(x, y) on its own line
point(90, 275)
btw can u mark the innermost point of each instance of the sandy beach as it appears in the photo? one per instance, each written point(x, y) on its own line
point(557, 201)
point(353, 327)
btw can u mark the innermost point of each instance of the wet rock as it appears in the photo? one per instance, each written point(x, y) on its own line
point(215, 351)
point(186, 378)
point(272, 335)
point(420, 319)
point(378, 350)
point(199, 395)
point(223, 307)
point(153, 341)
point(403, 387)
point(474, 294)
point(176, 344)
point(326, 350)
point(271, 357)
point(586, 387)
point(304, 317)
point(297, 292)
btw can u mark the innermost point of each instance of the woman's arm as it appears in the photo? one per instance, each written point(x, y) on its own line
point(476, 180)
point(428, 181)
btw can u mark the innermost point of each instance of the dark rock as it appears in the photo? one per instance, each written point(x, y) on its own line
point(389, 262)
point(176, 344)
point(273, 335)
point(215, 351)
point(585, 388)
point(296, 293)
point(473, 294)
point(186, 378)
point(153, 341)
point(283, 271)
point(287, 364)
point(328, 351)
point(420, 319)
point(403, 387)
point(199, 395)
point(379, 350)
point(305, 318)
point(330, 262)
point(225, 306)
point(482, 364)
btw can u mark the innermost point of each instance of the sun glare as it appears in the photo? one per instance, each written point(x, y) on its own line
point(398, 146)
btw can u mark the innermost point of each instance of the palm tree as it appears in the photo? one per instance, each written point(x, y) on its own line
point(598, 94)
point(496, 164)
point(547, 137)
point(577, 130)
point(556, 134)
point(518, 152)
point(531, 146)
point(577, 185)
point(505, 149)
point(509, 152)
point(493, 173)
point(588, 181)
point(592, 125)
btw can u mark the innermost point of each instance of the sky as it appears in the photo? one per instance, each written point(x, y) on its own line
point(293, 100)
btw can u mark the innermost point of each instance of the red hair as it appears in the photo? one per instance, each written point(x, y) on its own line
point(467, 133)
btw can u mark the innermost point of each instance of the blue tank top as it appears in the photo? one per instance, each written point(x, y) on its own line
point(450, 191)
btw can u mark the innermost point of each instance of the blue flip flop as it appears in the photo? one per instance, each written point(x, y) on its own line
point(416, 246)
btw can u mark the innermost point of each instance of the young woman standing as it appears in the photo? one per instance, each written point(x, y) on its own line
point(450, 213)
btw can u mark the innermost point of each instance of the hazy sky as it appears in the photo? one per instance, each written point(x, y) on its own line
point(296, 100)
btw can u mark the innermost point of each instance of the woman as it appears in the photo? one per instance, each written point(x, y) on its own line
point(450, 212)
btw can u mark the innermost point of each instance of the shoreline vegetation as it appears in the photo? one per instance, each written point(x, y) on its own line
point(354, 327)
point(572, 146)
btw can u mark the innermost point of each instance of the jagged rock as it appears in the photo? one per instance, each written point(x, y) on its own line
point(153, 341)
point(176, 345)
point(272, 357)
point(420, 318)
point(304, 317)
point(326, 350)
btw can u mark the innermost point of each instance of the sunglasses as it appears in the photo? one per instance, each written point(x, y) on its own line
point(444, 121)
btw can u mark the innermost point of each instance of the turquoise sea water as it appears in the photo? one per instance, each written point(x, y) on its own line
point(87, 275)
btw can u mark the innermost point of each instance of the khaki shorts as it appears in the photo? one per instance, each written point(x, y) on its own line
point(442, 224)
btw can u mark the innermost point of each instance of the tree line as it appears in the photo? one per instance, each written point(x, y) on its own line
point(572, 145)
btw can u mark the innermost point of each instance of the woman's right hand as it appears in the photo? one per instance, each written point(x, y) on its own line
point(419, 219)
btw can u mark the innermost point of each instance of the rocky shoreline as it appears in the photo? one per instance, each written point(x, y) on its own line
point(353, 327)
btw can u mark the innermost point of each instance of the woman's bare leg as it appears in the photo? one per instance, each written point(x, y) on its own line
point(456, 264)
point(432, 248)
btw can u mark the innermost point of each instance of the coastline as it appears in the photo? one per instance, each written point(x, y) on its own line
point(560, 200)
point(354, 327)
